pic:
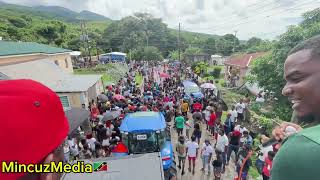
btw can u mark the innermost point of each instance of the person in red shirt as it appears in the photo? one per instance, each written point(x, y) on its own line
point(268, 165)
point(212, 121)
point(197, 107)
point(94, 112)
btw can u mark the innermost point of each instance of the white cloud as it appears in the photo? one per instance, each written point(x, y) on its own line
point(262, 18)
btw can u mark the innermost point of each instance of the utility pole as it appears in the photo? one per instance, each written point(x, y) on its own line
point(179, 43)
point(87, 40)
point(234, 41)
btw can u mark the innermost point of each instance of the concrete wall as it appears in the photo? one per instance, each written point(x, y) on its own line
point(94, 91)
point(243, 72)
point(218, 60)
point(62, 60)
point(9, 60)
point(74, 98)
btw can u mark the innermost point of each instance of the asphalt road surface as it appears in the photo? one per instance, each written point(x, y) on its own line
point(229, 174)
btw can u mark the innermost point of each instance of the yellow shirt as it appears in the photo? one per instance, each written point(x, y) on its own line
point(185, 107)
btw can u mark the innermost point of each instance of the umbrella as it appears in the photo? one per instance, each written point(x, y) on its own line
point(164, 75)
point(103, 98)
point(76, 116)
point(208, 86)
point(224, 105)
point(110, 115)
point(170, 104)
point(118, 97)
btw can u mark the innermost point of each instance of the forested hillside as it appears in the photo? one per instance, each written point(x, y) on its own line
point(134, 34)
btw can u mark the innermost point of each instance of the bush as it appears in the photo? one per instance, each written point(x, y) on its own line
point(216, 72)
point(223, 83)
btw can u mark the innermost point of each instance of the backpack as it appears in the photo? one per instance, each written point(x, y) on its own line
point(181, 148)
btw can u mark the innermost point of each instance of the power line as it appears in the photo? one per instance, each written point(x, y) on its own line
point(245, 22)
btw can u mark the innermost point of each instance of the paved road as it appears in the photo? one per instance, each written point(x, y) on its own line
point(230, 172)
point(199, 175)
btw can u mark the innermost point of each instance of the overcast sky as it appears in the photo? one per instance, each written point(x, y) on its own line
point(261, 18)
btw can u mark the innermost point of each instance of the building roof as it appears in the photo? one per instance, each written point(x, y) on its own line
point(143, 121)
point(115, 53)
point(9, 48)
point(3, 76)
point(48, 73)
point(243, 60)
point(149, 166)
point(216, 56)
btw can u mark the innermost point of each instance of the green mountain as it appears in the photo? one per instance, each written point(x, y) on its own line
point(53, 12)
point(88, 15)
point(59, 26)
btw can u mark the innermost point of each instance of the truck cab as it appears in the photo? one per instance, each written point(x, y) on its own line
point(145, 132)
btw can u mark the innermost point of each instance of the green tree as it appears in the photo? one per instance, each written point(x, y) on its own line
point(17, 22)
point(210, 46)
point(174, 55)
point(226, 43)
point(268, 70)
point(152, 53)
point(193, 51)
point(254, 41)
point(216, 72)
point(311, 17)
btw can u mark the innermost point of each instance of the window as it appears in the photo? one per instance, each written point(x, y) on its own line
point(162, 138)
point(65, 102)
point(66, 61)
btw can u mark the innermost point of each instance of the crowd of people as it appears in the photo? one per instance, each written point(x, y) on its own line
point(189, 115)
point(29, 140)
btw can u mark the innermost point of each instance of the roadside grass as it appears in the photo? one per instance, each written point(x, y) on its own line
point(111, 73)
point(106, 78)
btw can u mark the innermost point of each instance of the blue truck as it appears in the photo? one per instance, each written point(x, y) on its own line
point(146, 132)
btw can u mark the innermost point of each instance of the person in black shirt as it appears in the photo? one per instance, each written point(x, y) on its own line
point(217, 165)
point(234, 142)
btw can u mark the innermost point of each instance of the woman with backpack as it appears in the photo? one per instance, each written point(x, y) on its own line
point(181, 149)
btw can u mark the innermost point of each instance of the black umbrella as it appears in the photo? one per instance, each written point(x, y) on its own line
point(103, 98)
point(224, 105)
point(76, 116)
point(110, 115)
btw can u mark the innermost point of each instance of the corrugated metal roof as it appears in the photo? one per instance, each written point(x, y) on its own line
point(48, 73)
point(243, 60)
point(8, 48)
point(3, 76)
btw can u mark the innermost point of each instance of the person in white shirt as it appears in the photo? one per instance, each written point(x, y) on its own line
point(240, 107)
point(234, 114)
point(262, 153)
point(206, 155)
point(207, 115)
point(192, 152)
point(74, 150)
point(260, 98)
point(91, 142)
point(222, 146)
point(240, 128)
point(188, 125)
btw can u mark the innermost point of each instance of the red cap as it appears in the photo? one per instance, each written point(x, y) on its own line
point(33, 123)
point(236, 133)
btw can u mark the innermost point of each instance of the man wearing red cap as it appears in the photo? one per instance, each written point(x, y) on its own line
point(33, 127)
